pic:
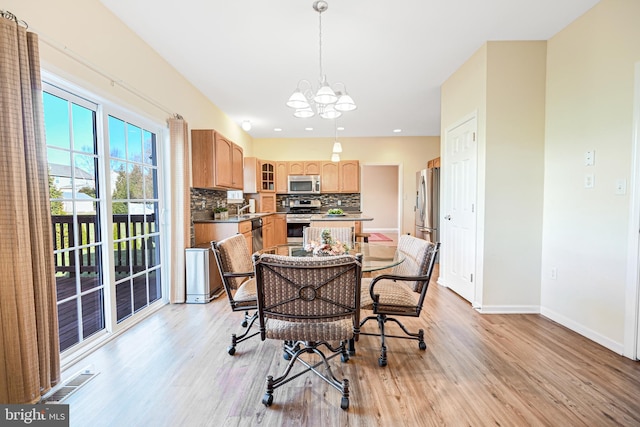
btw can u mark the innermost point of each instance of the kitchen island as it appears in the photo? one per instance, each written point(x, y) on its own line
point(347, 220)
point(326, 220)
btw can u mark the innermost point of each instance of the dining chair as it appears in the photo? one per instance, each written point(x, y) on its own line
point(343, 234)
point(400, 293)
point(236, 271)
point(309, 303)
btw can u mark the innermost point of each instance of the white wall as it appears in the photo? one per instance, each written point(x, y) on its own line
point(589, 107)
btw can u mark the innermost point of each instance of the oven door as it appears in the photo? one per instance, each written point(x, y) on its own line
point(294, 231)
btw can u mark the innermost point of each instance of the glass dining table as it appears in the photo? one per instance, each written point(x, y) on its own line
point(374, 256)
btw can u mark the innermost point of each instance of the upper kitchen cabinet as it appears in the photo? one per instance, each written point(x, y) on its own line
point(267, 176)
point(259, 176)
point(304, 168)
point(296, 168)
point(217, 162)
point(330, 177)
point(282, 171)
point(349, 176)
point(312, 168)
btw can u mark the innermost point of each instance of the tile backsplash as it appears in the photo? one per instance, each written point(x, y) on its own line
point(204, 200)
point(348, 201)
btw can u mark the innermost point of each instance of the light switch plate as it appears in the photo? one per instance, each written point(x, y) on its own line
point(589, 180)
point(621, 186)
point(589, 158)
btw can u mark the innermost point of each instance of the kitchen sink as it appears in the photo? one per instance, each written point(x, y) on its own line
point(249, 216)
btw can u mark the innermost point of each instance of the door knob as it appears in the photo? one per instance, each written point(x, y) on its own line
point(448, 217)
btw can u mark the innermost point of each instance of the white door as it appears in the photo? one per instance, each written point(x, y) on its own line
point(458, 258)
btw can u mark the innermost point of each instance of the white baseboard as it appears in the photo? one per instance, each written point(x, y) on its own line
point(380, 230)
point(583, 330)
point(509, 309)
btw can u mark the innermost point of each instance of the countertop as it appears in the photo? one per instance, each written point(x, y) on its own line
point(349, 216)
point(233, 218)
point(345, 217)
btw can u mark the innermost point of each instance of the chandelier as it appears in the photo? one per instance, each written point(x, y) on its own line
point(328, 102)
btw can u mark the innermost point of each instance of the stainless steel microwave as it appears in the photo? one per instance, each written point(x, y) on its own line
point(303, 184)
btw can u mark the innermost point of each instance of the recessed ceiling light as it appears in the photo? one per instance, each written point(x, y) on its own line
point(308, 128)
point(340, 127)
point(397, 130)
point(277, 129)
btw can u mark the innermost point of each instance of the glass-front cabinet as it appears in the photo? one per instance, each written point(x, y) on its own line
point(267, 176)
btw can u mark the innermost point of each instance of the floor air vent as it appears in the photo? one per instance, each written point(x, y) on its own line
point(61, 392)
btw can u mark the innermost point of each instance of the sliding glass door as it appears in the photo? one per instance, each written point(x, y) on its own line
point(105, 203)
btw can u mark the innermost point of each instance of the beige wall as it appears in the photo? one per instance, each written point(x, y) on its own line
point(589, 107)
point(503, 83)
point(89, 30)
point(514, 173)
point(586, 96)
point(411, 153)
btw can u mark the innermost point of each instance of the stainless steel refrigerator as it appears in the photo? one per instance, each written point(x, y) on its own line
point(428, 204)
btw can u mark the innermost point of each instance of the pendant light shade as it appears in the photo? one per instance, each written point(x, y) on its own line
point(329, 112)
point(335, 157)
point(297, 100)
point(325, 94)
point(345, 103)
point(337, 147)
point(304, 113)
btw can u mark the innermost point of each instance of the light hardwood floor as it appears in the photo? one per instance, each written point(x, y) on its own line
point(478, 370)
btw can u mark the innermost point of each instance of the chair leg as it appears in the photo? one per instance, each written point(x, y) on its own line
point(247, 323)
point(329, 377)
point(382, 360)
point(381, 320)
point(419, 336)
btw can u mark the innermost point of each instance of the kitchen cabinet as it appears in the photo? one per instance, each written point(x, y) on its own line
point(296, 168)
point(304, 167)
point(434, 163)
point(349, 176)
point(265, 202)
point(268, 235)
point(205, 232)
point(280, 229)
point(216, 161)
point(330, 177)
point(259, 175)
point(282, 171)
point(267, 176)
point(312, 168)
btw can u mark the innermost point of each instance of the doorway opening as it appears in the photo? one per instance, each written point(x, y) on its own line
point(380, 191)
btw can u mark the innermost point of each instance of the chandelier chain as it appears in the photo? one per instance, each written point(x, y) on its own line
point(320, 38)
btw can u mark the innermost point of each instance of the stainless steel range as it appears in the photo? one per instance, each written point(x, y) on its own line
point(299, 216)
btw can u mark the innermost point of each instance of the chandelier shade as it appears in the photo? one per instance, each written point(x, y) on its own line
point(327, 101)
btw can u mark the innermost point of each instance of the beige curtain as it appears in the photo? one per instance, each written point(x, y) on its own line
point(29, 353)
point(179, 206)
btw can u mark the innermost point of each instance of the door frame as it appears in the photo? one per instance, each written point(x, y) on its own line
point(631, 343)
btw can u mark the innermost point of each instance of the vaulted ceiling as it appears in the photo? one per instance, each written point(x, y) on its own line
point(247, 56)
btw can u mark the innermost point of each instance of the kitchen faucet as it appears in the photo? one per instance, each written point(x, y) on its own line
point(239, 210)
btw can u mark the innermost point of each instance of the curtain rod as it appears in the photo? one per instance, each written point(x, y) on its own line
point(8, 15)
point(96, 69)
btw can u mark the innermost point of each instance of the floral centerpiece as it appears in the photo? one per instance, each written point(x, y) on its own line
point(328, 246)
